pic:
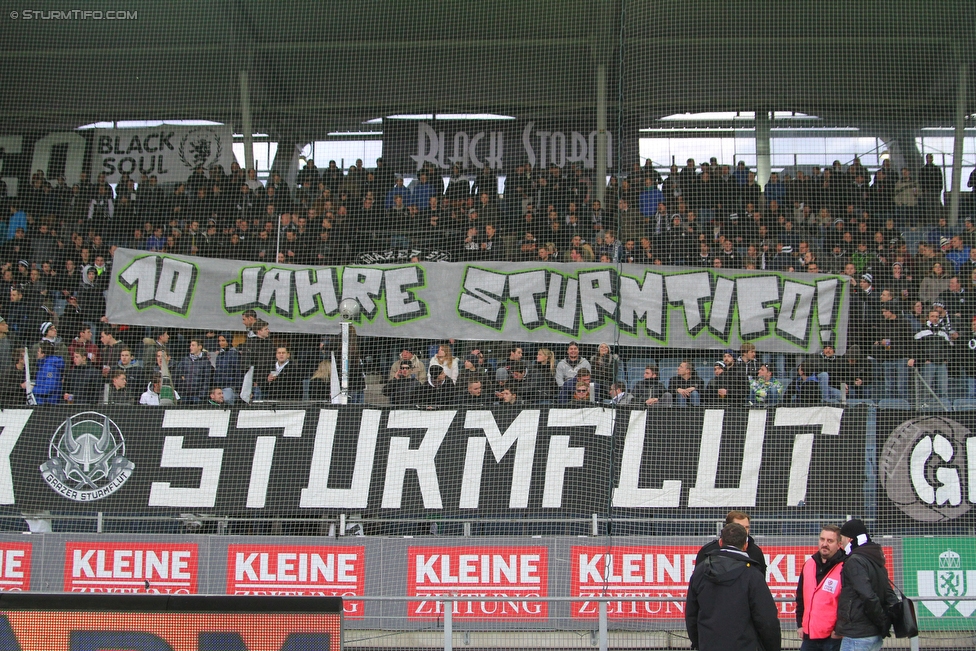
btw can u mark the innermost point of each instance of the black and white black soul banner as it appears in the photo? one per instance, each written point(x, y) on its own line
point(478, 463)
point(170, 153)
point(927, 468)
point(649, 306)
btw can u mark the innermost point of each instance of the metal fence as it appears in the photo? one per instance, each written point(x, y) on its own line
point(604, 633)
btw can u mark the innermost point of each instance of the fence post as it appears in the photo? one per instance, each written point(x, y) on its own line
point(448, 625)
point(604, 642)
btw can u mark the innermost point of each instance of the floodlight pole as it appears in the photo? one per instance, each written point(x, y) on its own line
point(763, 167)
point(600, 184)
point(957, 144)
point(278, 241)
point(344, 395)
point(246, 122)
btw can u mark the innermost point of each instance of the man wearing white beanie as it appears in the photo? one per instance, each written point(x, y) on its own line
point(49, 333)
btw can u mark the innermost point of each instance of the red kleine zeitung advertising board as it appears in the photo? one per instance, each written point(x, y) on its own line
point(15, 566)
point(151, 567)
point(478, 571)
point(299, 570)
point(631, 572)
point(665, 571)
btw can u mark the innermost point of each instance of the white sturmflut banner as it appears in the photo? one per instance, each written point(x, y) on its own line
point(169, 152)
point(650, 306)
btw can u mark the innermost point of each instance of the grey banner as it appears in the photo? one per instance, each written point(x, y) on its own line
point(629, 304)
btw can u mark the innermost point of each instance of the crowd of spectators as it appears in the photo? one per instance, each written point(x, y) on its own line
point(912, 275)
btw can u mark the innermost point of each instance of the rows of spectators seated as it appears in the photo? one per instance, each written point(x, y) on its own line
point(912, 276)
point(708, 215)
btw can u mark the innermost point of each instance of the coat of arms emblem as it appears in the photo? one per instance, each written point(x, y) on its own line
point(948, 582)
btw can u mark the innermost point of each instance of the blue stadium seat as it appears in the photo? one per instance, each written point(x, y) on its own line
point(894, 403)
point(705, 371)
point(635, 369)
point(958, 388)
point(852, 402)
point(668, 369)
point(964, 404)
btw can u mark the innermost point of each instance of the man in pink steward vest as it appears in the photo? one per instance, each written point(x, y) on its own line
point(817, 593)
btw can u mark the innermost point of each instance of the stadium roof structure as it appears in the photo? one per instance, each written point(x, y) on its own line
point(319, 67)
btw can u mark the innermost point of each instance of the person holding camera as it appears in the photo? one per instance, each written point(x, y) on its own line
point(403, 387)
point(418, 370)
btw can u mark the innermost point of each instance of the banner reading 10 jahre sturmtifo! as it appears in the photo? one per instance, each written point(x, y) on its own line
point(648, 306)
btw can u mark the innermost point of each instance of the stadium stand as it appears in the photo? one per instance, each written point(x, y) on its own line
point(809, 170)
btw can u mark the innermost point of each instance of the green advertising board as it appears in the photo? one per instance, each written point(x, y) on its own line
point(943, 569)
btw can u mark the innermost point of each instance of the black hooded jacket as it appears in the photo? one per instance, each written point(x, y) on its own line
point(729, 605)
point(753, 550)
point(864, 592)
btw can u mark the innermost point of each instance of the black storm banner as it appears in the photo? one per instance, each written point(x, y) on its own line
point(457, 463)
point(500, 145)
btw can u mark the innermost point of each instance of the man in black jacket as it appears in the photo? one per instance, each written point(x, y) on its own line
point(650, 389)
point(440, 389)
point(755, 553)
point(259, 351)
point(894, 340)
point(827, 368)
point(403, 388)
point(716, 393)
point(474, 397)
point(804, 390)
point(284, 378)
point(729, 605)
point(934, 347)
point(685, 385)
point(865, 593)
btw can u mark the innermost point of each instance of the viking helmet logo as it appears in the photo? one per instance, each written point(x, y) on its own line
point(86, 458)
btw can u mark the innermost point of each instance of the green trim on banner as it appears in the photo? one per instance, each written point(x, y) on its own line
point(716, 309)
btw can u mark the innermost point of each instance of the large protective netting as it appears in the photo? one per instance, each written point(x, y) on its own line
point(529, 295)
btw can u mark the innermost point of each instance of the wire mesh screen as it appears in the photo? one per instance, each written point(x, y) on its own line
point(521, 272)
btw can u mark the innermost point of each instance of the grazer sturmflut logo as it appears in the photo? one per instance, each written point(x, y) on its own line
point(86, 458)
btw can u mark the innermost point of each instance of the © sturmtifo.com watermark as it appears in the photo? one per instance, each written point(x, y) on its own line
point(73, 14)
